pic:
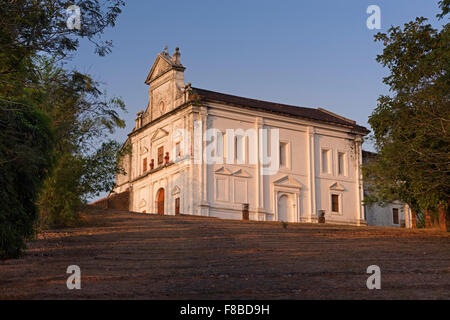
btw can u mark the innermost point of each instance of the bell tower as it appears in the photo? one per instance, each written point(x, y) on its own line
point(166, 85)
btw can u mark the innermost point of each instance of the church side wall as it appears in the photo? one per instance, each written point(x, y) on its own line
point(332, 180)
point(295, 137)
point(231, 185)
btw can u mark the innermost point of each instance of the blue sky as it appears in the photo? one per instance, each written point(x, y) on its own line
point(307, 53)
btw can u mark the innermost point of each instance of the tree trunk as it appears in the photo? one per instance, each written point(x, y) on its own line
point(427, 219)
point(413, 219)
point(444, 217)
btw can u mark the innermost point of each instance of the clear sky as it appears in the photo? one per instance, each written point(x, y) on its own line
point(308, 53)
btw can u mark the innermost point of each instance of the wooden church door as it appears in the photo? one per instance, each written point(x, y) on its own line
point(160, 201)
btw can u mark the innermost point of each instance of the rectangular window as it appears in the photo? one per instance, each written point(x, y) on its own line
point(225, 144)
point(335, 203)
point(283, 154)
point(326, 161)
point(217, 141)
point(395, 215)
point(178, 149)
point(144, 165)
point(160, 155)
point(240, 191)
point(341, 164)
point(219, 144)
point(239, 149)
point(213, 145)
point(221, 189)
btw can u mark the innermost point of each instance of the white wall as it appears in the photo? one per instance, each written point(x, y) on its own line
point(383, 216)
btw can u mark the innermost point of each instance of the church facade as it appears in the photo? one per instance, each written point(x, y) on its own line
point(199, 152)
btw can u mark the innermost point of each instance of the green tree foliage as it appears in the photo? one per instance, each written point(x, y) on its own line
point(40, 26)
point(411, 127)
point(49, 116)
point(74, 179)
point(82, 119)
point(26, 145)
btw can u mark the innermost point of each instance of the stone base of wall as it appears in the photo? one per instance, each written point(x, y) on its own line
point(117, 201)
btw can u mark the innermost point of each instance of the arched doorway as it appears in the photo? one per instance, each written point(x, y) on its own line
point(284, 208)
point(160, 201)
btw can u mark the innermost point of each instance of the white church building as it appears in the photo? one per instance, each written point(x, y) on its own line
point(199, 152)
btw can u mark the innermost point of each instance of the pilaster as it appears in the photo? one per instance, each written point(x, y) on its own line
point(311, 132)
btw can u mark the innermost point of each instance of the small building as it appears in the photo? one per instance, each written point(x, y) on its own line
point(395, 214)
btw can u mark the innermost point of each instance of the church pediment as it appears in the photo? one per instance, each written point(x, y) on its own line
point(337, 187)
point(176, 190)
point(163, 63)
point(241, 173)
point(166, 81)
point(160, 66)
point(223, 171)
point(160, 133)
point(142, 203)
point(287, 181)
point(144, 149)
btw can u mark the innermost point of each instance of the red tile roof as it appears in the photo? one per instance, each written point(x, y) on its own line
point(298, 112)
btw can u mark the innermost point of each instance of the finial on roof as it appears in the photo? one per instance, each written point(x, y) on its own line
point(176, 56)
point(165, 49)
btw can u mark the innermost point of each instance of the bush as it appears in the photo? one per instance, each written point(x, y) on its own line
point(26, 144)
point(60, 196)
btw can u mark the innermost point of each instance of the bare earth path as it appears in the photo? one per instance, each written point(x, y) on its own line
point(130, 256)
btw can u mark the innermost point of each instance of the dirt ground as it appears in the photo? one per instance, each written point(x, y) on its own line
point(133, 256)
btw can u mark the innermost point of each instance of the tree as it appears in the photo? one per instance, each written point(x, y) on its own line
point(40, 26)
point(26, 145)
point(31, 30)
point(411, 127)
point(86, 160)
